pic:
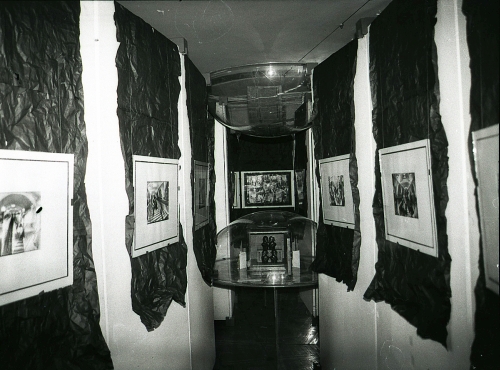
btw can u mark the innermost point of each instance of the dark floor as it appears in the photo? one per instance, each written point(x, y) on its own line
point(249, 342)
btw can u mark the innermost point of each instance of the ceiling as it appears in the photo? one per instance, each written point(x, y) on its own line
point(222, 34)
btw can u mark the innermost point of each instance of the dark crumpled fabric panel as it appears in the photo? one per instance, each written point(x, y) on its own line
point(405, 92)
point(148, 91)
point(41, 109)
point(202, 129)
point(337, 253)
point(483, 40)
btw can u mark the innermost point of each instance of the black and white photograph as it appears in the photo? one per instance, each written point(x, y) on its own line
point(408, 196)
point(336, 192)
point(20, 222)
point(405, 195)
point(156, 203)
point(267, 189)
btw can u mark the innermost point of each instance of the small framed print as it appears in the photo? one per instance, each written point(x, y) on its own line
point(36, 223)
point(486, 162)
point(201, 191)
point(236, 190)
point(336, 193)
point(267, 189)
point(156, 203)
point(408, 196)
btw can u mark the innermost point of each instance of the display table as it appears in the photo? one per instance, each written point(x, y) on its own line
point(245, 248)
point(227, 275)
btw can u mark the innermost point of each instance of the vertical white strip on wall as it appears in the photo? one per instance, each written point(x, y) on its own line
point(100, 79)
point(365, 155)
point(462, 221)
point(223, 298)
point(185, 200)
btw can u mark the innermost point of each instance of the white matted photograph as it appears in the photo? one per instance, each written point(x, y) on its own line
point(36, 223)
point(486, 162)
point(336, 193)
point(156, 203)
point(408, 196)
point(201, 191)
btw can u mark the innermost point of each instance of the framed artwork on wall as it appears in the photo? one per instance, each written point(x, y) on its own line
point(486, 162)
point(408, 196)
point(36, 223)
point(300, 182)
point(236, 190)
point(201, 191)
point(267, 189)
point(336, 193)
point(156, 203)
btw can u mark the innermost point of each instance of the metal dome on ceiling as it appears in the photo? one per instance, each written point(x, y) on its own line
point(263, 100)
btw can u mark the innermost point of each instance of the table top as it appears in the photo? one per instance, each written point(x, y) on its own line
point(229, 275)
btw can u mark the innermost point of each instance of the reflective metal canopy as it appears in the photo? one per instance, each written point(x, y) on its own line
point(264, 100)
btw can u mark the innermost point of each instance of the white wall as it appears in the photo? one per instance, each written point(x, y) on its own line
point(131, 346)
point(355, 334)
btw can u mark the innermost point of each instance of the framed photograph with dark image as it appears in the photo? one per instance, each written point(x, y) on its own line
point(408, 196)
point(36, 223)
point(336, 193)
point(236, 190)
point(201, 190)
point(300, 180)
point(267, 189)
point(485, 143)
point(156, 203)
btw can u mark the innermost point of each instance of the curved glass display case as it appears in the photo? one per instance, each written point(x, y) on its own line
point(266, 248)
point(263, 100)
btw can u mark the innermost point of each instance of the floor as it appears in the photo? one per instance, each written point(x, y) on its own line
point(248, 341)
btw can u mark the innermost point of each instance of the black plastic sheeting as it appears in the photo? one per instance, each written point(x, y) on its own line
point(148, 91)
point(405, 93)
point(202, 130)
point(337, 253)
point(483, 40)
point(41, 109)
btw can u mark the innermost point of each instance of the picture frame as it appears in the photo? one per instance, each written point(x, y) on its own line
point(201, 204)
point(300, 185)
point(236, 190)
point(36, 223)
point(267, 189)
point(408, 196)
point(268, 249)
point(336, 192)
point(156, 202)
point(485, 144)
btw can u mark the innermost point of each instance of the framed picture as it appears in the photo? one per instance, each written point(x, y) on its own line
point(267, 249)
point(336, 193)
point(36, 223)
point(201, 191)
point(267, 189)
point(486, 162)
point(156, 203)
point(300, 181)
point(236, 190)
point(408, 196)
